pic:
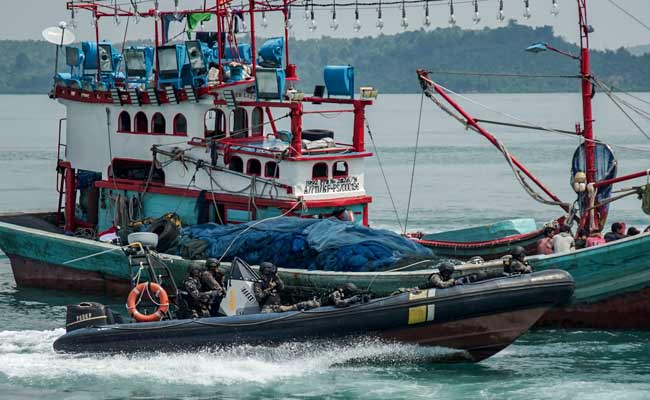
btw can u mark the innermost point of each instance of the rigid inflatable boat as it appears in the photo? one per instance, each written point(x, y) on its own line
point(479, 318)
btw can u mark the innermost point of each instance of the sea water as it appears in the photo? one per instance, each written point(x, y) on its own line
point(460, 180)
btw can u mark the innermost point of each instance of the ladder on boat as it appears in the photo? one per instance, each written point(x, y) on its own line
point(146, 266)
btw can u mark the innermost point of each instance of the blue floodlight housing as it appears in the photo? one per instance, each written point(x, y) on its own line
point(74, 58)
point(90, 51)
point(104, 58)
point(339, 80)
point(269, 83)
point(138, 64)
point(242, 53)
point(172, 61)
point(271, 53)
point(199, 57)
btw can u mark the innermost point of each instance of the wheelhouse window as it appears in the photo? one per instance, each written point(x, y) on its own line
point(158, 123)
point(340, 169)
point(236, 164)
point(124, 122)
point(254, 167)
point(257, 119)
point(319, 171)
point(140, 122)
point(239, 123)
point(272, 170)
point(135, 170)
point(180, 125)
point(215, 123)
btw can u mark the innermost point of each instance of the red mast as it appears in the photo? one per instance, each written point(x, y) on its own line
point(587, 116)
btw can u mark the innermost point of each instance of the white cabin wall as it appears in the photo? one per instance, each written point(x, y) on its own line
point(87, 138)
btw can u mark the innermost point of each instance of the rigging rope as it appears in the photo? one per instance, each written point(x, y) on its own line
point(540, 127)
point(503, 75)
point(518, 174)
point(531, 192)
point(415, 156)
point(629, 14)
point(611, 97)
point(383, 174)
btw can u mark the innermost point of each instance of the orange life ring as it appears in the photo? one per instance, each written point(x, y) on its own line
point(152, 288)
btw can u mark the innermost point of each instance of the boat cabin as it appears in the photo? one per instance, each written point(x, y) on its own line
point(209, 128)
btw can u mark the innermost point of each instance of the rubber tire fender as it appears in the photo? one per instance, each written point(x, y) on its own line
point(317, 134)
point(167, 233)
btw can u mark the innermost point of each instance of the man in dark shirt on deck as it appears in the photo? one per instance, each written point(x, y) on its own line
point(618, 232)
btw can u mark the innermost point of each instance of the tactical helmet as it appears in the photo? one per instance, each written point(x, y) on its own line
point(446, 268)
point(518, 253)
point(194, 270)
point(349, 289)
point(211, 263)
point(268, 268)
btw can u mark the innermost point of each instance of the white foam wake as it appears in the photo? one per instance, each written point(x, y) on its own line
point(29, 355)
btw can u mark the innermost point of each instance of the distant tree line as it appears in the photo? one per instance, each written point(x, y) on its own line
point(388, 62)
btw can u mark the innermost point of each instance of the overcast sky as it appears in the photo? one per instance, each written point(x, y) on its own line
point(25, 19)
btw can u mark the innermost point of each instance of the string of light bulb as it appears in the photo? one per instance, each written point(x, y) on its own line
point(310, 7)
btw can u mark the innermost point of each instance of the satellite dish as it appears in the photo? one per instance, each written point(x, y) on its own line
point(59, 35)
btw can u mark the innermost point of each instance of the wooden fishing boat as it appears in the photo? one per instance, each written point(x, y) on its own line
point(488, 241)
point(481, 319)
point(610, 280)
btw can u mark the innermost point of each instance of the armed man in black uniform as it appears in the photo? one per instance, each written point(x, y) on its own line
point(212, 279)
point(268, 289)
point(443, 278)
point(198, 300)
point(345, 296)
point(515, 264)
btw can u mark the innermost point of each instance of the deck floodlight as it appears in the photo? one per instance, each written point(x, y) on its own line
point(168, 62)
point(269, 83)
point(171, 59)
point(196, 57)
point(73, 57)
point(105, 62)
point(139, 63)
point(537, 47)
point(135, 62)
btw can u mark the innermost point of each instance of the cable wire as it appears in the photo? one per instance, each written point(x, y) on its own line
point(383, 174)
point(629, 14)
point(415, 156)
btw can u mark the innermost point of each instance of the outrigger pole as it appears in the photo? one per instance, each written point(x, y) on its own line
point(427, 82)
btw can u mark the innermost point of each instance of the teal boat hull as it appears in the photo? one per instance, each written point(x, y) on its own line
point(612, 285)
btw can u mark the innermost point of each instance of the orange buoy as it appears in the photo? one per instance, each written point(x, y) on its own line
point(133, 300)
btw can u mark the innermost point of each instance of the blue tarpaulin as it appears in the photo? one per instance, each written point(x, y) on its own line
point(325, 244)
